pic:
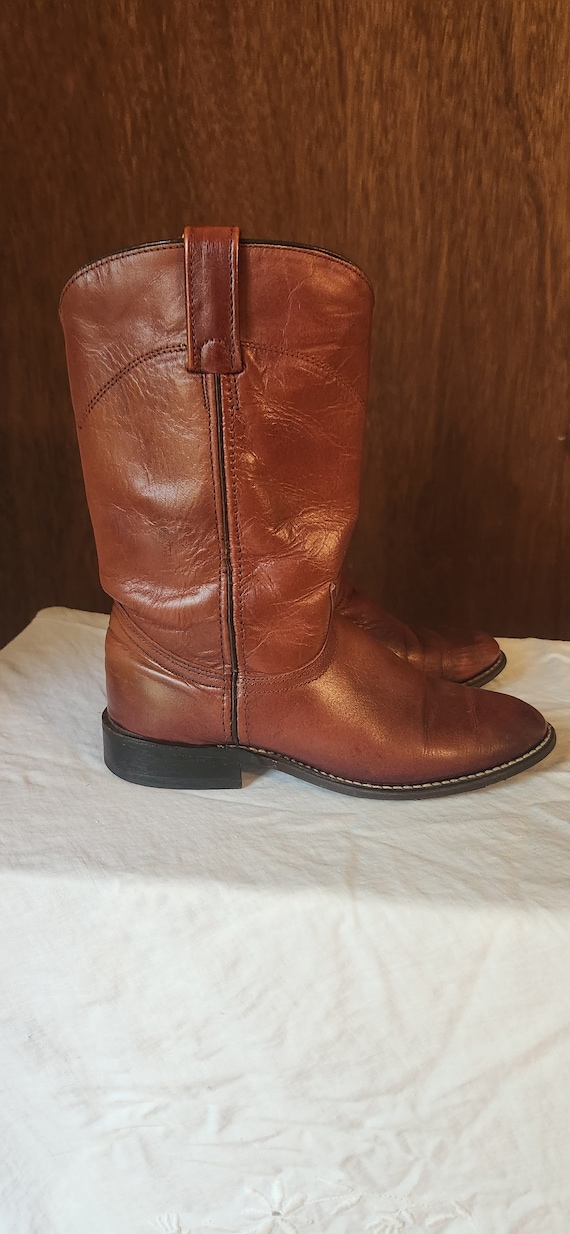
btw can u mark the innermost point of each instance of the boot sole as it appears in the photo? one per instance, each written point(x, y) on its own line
point(166, 764)
point(487, 674)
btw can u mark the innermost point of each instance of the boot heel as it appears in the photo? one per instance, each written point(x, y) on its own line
point(164, 764)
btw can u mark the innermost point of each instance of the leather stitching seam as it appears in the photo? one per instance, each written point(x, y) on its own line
point(308, 360)
point(341, 261)
point(161, 657)
point(163, 245)
point(399, 788)
point(195, 358)
point(233, 340)
point(299, 677)
point(155, 354)
point(207, 406)
point(234, 406)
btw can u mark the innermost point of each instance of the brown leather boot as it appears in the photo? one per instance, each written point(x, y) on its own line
point(219, 391)
point(458, 655)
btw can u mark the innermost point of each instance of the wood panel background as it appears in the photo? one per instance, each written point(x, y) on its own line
point(427, 140)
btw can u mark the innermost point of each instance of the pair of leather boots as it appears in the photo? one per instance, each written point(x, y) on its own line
point(219, 388)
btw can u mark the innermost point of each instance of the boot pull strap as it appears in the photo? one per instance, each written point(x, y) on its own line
point(212, 316)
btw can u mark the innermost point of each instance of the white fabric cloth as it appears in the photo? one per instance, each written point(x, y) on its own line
point(278, 1009)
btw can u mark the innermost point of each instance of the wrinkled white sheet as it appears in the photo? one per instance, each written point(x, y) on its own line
point(276, 1010)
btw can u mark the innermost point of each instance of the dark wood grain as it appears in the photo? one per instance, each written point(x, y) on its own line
point(429, 143)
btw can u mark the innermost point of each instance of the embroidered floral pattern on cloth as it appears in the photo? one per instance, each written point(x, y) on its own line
point(301, 1212)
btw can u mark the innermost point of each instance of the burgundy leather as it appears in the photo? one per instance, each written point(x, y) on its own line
point(222, 505)
point(457, 655)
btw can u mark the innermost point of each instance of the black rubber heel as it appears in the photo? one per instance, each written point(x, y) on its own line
point(164, 764)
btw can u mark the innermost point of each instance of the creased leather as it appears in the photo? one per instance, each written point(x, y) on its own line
point(271, 455)
point(372, 717)
point(150, 693)
point(457, 655)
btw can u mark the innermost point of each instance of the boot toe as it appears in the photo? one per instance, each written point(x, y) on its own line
point(464, 656)
point(507, 728)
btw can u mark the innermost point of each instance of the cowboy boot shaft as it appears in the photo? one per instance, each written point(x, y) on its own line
point(222, 498)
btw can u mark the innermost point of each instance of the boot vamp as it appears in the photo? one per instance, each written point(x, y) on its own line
point(457, 655)
point(372, 717)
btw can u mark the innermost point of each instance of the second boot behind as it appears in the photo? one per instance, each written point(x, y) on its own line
point(469, 657)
